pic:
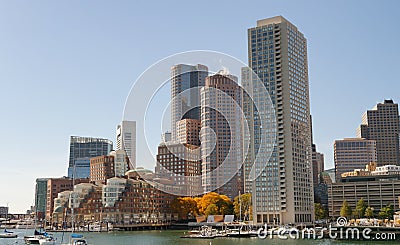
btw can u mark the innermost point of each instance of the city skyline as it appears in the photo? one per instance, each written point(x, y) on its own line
point(48, 65)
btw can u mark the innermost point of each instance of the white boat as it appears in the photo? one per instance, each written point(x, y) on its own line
point(95, 227)
point(8, 235)
point(49, 240)
point(206, 232)
point(25, 224)
point(77, 239)
point(32, 239)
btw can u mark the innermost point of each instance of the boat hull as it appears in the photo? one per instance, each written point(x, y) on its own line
point(8, 235)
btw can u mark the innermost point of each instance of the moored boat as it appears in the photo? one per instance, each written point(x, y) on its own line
point(77, 239)
point(47, 240)
point(8, 235)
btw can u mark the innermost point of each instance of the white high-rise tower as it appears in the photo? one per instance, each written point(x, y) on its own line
point(126, 140)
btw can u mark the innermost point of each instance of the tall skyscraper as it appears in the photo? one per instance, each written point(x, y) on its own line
point(40, 198)
point(222, 143)
point(317, 164)
point(126, 140)
point(186, 81)
point(188, 131)
point(352, 154)
point(81, 150)
point(382, 125)
point(283, 192)
point(318, 160)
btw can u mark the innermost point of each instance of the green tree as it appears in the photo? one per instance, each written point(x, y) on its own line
point(345, 211)
point(387, 212)
point(245, 200)
point(360, 208)
point(369, 212)
point(225, 205)
point(320, 211)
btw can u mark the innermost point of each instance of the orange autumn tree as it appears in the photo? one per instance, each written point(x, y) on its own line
point(184, 206)
point(243, 203)
point(213, 203)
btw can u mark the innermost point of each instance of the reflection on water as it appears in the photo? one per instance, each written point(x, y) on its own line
point(173, 237)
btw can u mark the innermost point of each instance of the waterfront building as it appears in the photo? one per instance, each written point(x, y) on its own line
point(133, 201)
point(353, 153)
point(181, 164)
point(60, 203)
point(55, 186)
point(186, 81)
point(126, 140)
point(40, 198)
point(101, 169)
point(221, 151)
point(381, 124)
point(377, 192)
point(81, 191)
point(81, 150)
point(113, 190)
point(283, 192)
point(70, 199)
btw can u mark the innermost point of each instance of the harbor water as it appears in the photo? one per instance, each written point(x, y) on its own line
point(161, 237)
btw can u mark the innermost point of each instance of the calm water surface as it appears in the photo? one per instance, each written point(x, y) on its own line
point(173, 237)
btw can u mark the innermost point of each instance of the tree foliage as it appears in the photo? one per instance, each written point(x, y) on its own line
point(184, 206)
point(245, 200)
point(320, 211)
point(211, 210)
point(387, 212)
point(369, 212)
point(209, 204)
point(361, 206)
point(223, 204)
point(345, 211)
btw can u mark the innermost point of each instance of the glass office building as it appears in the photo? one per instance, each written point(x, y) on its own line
point(81, 150)
point(283, 192)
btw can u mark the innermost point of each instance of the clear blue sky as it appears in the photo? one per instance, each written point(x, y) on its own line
point(66, 68)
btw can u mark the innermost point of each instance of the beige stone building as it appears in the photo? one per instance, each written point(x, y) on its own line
point(382, 125)
point(353, 153)
point(376, 191)
point(221, 150)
